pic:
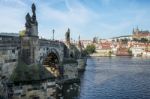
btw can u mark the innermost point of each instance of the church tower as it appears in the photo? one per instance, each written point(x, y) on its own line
point(29, 42)
point(133, 32)
point(79, 44)
point(79, 47)
point(137, 30)
point(67, 35)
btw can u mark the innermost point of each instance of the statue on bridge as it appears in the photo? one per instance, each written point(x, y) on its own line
point(31, 23)
point(30, 43)
point(68, 36)
point(28, 21)
point(34, 14)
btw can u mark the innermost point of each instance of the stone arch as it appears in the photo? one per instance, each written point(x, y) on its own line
point(54, 54)
point(51, 62)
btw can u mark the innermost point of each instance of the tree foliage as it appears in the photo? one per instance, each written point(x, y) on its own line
point(143, 40)
point(22, 33)
point(125, 40)
point(90, 48)
point(130, 52)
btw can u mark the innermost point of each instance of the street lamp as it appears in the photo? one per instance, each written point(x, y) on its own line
point(53, 33)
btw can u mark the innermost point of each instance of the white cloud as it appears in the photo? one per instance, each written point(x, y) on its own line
point(80, 18)
point(75, 14)
point(75, 17)
point(11, 18)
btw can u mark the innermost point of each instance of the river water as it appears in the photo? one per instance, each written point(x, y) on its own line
point(116, 78)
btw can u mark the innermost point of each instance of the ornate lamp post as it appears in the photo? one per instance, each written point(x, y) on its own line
point(53, 33)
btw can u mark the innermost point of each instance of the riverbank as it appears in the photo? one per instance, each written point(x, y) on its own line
point(113, 55)
point(101, 55)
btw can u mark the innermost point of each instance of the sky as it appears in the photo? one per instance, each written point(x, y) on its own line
point(87, 18)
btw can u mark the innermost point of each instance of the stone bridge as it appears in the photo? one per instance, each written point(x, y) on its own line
point(51, 54)
point(32, 53)
point(55, 48)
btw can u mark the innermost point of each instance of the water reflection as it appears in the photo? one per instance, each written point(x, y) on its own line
point(116, 78)
point(113, 78)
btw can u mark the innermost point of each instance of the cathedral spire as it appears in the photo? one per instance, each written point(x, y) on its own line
point(133, 31)
point(79, 43)
point(137, 28)
point(68, 30)
point(79, 38)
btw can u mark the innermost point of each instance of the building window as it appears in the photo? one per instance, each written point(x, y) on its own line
point(13, 51)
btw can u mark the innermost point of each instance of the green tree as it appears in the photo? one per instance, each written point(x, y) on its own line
point(110, 53)
point(135, 39)
point(117, 40)
point(90, 48)
point(130, 52)
point(125, 40)
point(144, 40)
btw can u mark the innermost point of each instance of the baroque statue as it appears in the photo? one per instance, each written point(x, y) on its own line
point(28, 21)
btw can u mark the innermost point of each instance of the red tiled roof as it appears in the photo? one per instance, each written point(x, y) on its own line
point(141, 44)
point(105, 45)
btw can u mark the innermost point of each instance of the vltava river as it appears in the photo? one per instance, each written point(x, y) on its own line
point(116, 78)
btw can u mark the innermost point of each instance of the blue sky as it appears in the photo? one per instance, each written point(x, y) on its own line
point(87, 18)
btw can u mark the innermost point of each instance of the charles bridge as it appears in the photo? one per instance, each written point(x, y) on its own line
point(27, 60)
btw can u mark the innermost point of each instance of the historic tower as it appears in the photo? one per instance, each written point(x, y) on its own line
point(79, 44)
point(67, 37)
point(79, 47)
point(137, 31)
point(29, 42)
